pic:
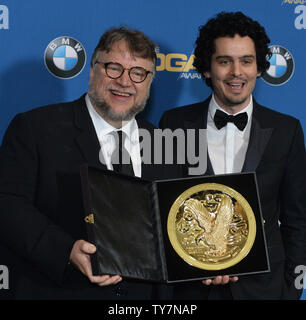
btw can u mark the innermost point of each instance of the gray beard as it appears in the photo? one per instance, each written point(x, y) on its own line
point(107, 113)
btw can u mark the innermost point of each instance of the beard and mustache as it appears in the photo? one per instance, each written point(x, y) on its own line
point(106, 111)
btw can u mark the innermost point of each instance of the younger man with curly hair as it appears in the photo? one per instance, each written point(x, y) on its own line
point(242, 136)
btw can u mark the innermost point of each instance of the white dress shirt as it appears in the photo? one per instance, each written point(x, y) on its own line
point(107, 141)
point(227, 147)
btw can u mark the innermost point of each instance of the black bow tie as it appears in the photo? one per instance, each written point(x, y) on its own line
point(221, 119)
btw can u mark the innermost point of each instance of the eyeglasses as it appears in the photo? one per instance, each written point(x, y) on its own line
point(115, 70)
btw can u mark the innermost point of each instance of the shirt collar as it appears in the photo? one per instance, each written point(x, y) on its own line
point(103, 128)
point(213, 107)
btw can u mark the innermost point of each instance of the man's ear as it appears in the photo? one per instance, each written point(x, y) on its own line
point(206, 74)
point(91, 71)
point(91, 74)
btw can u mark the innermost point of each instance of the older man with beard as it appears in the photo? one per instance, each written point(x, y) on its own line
point(42, 220)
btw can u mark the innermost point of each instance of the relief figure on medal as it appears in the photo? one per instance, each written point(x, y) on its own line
point(211, 226)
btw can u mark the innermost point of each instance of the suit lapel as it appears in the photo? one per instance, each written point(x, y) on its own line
point(198, 116)
point(198, 121)
point(147, 170)
point(87, 139)
point(259, 138)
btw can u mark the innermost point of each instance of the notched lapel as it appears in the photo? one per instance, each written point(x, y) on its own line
point(87, 140)
point(199, 121)
point(149, 171)
point(89, 148)
point(259, 138)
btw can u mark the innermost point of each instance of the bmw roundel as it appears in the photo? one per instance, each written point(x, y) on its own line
point(281, 66)
point(65, 57)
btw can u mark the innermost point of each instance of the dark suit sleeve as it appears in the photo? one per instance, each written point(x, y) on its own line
point(164, 121)
point(23, 228)
point(293, 208)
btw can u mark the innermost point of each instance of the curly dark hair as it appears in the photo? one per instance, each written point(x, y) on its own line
point(228, 24)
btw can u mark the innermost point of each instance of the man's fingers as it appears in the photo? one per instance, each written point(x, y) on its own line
point(234, 279)
point(80, 257)
point(111, 281)
point(207, 282)
point(224, 280)
point(217, 280)
point(105, 280)
point(220, 280)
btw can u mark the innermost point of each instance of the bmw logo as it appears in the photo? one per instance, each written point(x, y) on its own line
point(281, 66)
point(65, 57)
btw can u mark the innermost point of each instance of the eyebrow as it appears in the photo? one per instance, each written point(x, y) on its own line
point(248, 56)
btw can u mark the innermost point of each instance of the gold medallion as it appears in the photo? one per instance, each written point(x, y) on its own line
point(211, 226)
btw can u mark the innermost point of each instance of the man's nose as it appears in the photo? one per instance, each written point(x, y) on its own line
point(236, 69)
point(124, 80)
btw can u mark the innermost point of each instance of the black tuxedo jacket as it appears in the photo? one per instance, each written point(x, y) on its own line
point(41, 208)
point(276, 152)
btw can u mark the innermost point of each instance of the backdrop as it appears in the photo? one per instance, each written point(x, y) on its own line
point(35, 71)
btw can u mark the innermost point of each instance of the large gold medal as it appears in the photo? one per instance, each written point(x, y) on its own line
point(211, 226)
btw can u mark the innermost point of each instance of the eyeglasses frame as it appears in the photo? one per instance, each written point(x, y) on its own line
point(123, 69)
